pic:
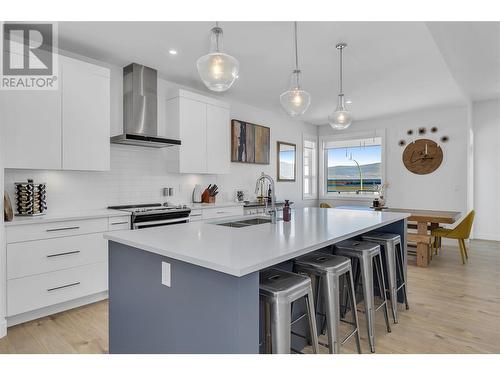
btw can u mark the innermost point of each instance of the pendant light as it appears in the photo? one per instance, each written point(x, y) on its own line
point(217, 70)
point(295, 101)
point(341, 118)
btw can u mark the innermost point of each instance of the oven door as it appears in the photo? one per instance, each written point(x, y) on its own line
point(161, 222)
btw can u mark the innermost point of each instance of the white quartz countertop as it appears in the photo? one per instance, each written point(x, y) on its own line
point(240, 251)
point(65, 215)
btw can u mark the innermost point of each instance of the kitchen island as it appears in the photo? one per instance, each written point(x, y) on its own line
point(210, 303)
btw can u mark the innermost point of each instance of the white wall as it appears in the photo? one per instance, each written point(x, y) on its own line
point(138, 174)
point(486, 118)
point(444, 189)
point(3, 259)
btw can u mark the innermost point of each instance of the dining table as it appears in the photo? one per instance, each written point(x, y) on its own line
point(426, 220)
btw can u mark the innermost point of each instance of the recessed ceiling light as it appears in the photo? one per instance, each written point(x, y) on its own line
point(172, 51)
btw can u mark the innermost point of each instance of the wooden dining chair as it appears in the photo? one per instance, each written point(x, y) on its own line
point(324, 205)
point(461, 233)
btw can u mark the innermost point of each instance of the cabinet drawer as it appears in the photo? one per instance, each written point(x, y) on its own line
point(42, 231)
point(36, 257)
point(119, 223)
point(34, 292)
point(211, 213)
point(196, 215)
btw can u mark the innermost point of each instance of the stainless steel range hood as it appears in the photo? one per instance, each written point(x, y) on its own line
point(140, 109)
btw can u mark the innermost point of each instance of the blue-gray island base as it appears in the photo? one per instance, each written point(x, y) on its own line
point(204, 311)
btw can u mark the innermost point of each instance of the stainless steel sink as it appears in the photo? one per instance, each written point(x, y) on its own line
point(245, 223)
point(255, 221)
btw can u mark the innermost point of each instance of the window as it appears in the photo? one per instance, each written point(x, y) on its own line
point(352, 167)
point(309, 167)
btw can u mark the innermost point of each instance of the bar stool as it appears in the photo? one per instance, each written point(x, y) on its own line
point(326, 270)
point(278, 290)
point(395, 262)
point(369, 258)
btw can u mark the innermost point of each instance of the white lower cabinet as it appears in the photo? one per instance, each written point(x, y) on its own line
point(35, 257)
point(57, 265)
point(218, 212)
point(196, 215)
point(34, 292)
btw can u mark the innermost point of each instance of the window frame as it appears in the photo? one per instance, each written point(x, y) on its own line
point(323, 164)
point(314, 176)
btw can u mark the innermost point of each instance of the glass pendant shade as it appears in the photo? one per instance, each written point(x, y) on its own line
point(341, 118)
point(217, 70)
point(295, 101)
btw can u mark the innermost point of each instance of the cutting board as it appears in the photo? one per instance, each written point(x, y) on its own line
point(8, 214)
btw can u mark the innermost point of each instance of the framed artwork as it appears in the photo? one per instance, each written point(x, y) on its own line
point(287, 164)
point(250, 143)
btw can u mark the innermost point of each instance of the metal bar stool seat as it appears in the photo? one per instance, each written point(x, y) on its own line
point(369, 259)
point(395, 261)
point(278, 290)
point(326, 270)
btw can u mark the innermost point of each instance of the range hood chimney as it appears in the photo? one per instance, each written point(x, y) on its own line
point(140, 109)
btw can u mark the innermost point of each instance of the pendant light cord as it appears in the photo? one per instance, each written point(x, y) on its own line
point(341, 50)
point(296, 47)
point(217, 36)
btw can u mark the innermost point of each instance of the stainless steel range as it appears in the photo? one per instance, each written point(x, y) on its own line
point(155, 214)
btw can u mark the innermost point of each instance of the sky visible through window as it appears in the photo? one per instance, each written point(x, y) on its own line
point(363, 155)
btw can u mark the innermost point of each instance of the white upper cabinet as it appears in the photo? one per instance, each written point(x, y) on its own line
point(218, 140)
point(66, 128)
point(85, 116)
point(30, 129)
point(202, 124)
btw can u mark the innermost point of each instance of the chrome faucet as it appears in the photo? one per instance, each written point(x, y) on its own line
point(272, 211)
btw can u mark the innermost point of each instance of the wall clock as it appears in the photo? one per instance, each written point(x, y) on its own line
point(423, 156)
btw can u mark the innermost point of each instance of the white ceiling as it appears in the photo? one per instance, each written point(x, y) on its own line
point(388, 66)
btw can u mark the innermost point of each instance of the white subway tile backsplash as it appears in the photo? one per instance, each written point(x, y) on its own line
point(137, 175)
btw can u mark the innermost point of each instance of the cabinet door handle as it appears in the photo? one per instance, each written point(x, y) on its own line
point(195, 215)
point(64, 228)
point(63, 286)
point(120, 222)
point(61, 254)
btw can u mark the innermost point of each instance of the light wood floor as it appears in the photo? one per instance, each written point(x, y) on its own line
point(453, 309)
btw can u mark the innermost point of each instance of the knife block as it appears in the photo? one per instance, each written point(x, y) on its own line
point(206, 198)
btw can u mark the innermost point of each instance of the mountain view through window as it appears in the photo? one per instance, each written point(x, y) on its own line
point(354, 169)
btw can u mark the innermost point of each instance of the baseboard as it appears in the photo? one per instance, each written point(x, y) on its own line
point(3, 327)
point(54, 309)
point(486, 236)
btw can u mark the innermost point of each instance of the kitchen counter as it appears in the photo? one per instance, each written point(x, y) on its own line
point(240, 251)
point(65, 215)
point(194, 287)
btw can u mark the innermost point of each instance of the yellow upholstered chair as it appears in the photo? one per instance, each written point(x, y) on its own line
point(461, 232)
point(324, 205)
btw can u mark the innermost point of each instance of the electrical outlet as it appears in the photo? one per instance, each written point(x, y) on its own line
point(165, 274)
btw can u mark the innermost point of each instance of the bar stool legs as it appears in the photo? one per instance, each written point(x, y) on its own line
point(395, 262)
point(369, 259)
point(326, 271)
point(280, 327)
point(278, 290)
point(311, 318)
point(369, 298)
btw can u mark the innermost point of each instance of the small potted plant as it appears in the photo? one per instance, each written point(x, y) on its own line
point(380, 201)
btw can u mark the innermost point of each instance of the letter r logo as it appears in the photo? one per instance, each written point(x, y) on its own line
point(27, 49)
